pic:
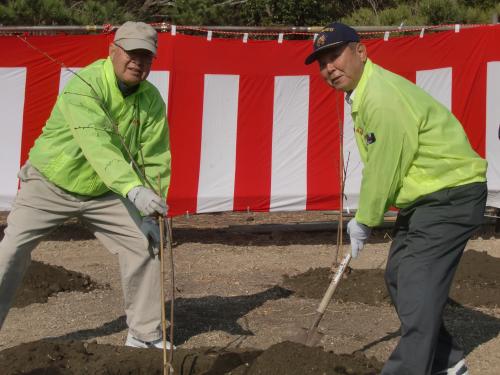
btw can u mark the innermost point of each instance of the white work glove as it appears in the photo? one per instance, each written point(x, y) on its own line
point(147, 201)
point(358, 234)
point(151, 230)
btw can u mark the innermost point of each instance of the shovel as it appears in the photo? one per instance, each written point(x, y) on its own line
point(312, 336)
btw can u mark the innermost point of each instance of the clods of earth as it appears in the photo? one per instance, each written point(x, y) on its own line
point(78, 358)
point(43, 280)
point(476, 283)
point(56, 357)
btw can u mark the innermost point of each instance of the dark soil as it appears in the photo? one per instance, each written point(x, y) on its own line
point(78, 358)
point(207, 319)
point(289, 358)
point(476, 283)
point(43, 280)
point(364, 286)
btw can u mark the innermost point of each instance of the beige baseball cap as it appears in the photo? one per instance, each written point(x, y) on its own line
point(136, 35)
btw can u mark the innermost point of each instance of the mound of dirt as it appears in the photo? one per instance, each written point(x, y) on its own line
point(363, 286)
point(78, 358)
point(43, 280)
point(289, 358)
point(476, 283)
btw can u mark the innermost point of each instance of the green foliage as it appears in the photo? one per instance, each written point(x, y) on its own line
point(363, 16)
point(202, 12)
point(247, 12)
point(426, 12)
point(61, 12)
point(442, 11)
point(446, 11)
point(405, 14)
point(483, 4)
point(97, 12)
point(34, 12)
point(292, 12)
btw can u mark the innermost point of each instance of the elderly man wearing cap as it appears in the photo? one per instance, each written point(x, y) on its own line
point(417, 158)
point(80, 166)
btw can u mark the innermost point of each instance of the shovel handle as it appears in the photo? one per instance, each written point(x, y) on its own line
point(333, 284)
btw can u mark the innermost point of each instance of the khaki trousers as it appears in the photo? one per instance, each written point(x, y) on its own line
point(40, 206)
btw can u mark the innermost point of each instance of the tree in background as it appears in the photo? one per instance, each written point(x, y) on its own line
point(293, 12)
point(247, 12)
point(61, 12)
point(425, 12)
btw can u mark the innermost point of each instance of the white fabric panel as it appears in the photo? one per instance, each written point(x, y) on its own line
point(352, 160)
point(160, 78)
point(437, 82)
point(66, 75)
point(289, 144)
point(218, 143)
point(493, 132)
point(11, 107)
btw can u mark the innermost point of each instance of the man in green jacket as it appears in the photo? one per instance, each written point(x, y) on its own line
point(417, 158)
point(106, 137)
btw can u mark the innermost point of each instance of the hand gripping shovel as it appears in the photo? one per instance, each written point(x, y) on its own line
point(313, 335)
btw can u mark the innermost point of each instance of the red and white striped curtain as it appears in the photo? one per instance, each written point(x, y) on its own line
point(252, 127)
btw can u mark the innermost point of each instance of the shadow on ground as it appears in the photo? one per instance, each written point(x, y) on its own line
point(270, 235)
point(194, 316)
point(213, 313)
point(283, 234)
point(470, 327)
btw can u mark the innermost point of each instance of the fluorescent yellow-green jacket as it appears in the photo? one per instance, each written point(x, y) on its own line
point(410, 144)
point(79, 149)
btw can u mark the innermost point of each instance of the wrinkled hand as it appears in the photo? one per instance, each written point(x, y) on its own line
point(151, 230)
point(147, 201)
point(358, 234)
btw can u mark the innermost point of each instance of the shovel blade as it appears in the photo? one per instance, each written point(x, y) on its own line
point(308, 337)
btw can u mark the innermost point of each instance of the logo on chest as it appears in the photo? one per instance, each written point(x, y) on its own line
point(370, 138)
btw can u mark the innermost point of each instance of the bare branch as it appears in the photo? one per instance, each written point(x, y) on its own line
point(149, 3)
point(230, 2)
point(268, 11)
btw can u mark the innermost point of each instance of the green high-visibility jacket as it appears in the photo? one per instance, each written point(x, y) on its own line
point(79, 149)
point(410, 144)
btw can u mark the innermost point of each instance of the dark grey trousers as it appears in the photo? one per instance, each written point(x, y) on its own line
point(430, 237)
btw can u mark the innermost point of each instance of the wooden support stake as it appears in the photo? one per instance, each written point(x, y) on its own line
point(161, 223)
point(167, 364)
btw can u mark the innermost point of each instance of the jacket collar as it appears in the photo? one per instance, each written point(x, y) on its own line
point(360, 88)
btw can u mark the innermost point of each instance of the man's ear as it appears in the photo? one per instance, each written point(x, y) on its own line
point(362, 52)
point(112, 49)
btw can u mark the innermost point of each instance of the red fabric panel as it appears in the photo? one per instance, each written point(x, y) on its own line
point(185, 115)
point(326, 117)
point(466, 52)
point(254, 144)
point(189, 58)
point(42, 80)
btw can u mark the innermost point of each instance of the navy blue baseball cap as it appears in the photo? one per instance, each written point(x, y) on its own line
point(332, 35)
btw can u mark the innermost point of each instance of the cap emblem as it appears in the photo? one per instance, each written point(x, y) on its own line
point(320, 40)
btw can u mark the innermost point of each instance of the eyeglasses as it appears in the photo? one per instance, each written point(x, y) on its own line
point(138, 54)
